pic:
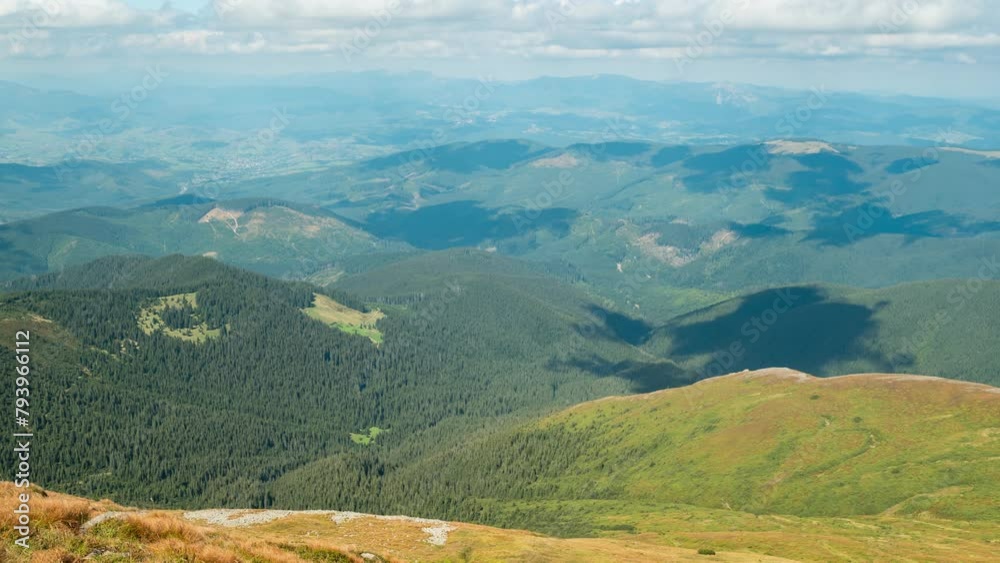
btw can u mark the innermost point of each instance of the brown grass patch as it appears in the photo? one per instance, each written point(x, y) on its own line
point(174, 548)
point(52, 511)
point(57, 555)
point(158, 526)
point(268, 552)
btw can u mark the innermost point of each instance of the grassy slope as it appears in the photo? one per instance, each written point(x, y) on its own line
point(820, 539)
point(774, 461)
point(779, 441)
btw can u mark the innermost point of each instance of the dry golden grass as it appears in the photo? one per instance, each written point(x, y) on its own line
point(176, 549)
point(268, 552)
point(47, 509)
point(162, 525)
point(58, 536)
point(57, 555)
point(166, 536)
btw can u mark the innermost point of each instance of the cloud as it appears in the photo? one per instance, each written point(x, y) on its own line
point(965, 59)
point(66, 14)
point(322, 13)
point(599, 30)
point(7, 7)
point(854, 15)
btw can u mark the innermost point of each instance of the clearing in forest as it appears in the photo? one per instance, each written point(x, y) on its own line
point(348, 320)
point(365, 439)
point(190, 328)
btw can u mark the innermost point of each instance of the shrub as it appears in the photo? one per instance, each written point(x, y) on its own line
point(706, 551)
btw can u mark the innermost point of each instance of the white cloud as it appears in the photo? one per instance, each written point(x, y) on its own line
point(7, 7)
point(76, 13)
point(923, 30)
point(185, 41)
point(318, 13)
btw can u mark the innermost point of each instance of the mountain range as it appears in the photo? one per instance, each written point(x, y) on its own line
point(399, 317)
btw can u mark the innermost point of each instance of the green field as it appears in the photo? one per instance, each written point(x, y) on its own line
point(351, 321)
point(368, 437)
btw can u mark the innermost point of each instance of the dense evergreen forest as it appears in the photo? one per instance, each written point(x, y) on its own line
point(153, 419)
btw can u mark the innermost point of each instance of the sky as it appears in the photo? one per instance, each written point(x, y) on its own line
point(947, 48)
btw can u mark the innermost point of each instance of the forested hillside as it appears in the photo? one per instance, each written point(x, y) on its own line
point(941, 328)
point(180, 381)
point(936, 328)
point(269, 236)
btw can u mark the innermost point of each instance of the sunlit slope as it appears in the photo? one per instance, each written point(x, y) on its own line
point(771, 441)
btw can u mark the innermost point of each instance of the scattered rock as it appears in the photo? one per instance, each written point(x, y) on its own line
point(105, 516)
point(237, 518)
point(436, 530)
point(341, 517)
point(438, 535)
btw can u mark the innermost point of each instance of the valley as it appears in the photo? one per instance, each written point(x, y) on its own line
point(351, 314)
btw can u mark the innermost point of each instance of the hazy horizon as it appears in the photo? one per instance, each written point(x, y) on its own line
point(915, 47)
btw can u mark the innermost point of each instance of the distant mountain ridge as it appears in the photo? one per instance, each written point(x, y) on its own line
point(704, 221)
point(276, 237)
